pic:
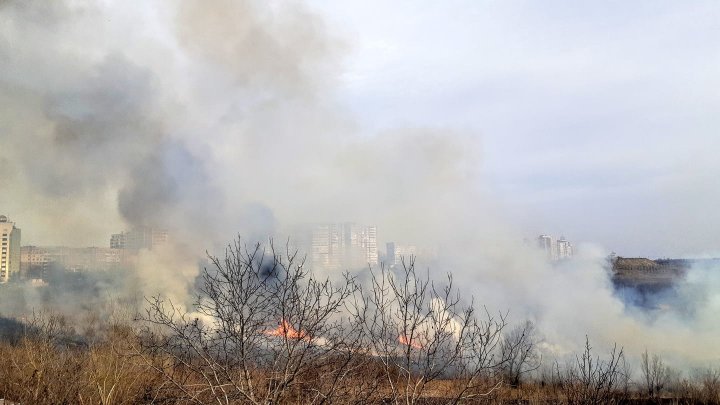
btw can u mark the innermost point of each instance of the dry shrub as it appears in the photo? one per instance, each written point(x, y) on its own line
point(113, 375)
point(37, 372)
point(423, 332)
point(50, 365)
point(703, 387)
point(594, 380)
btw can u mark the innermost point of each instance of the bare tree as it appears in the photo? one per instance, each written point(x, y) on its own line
point(519, 353)
point(709, 384)
point(263, 330)
point(656, 374)
point(592, 380)
point(422, 332)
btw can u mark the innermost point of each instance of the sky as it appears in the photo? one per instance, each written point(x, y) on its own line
point(598, 120)
point(593, 120)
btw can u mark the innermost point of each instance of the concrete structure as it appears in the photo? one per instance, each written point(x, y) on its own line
point(37, 260)
point(118, 241)
point(390, 255)
point(396, 253)
point(139, 238)
point(368, 242)
point(9, 249)
point(564, 249)
point(555, 250)
point(547, 244)
point(340, 246)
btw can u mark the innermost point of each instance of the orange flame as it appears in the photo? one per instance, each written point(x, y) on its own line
point(408, 342)
point(285, 329)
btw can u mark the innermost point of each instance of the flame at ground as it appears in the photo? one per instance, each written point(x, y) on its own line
point(409, 342)
point(285, 329)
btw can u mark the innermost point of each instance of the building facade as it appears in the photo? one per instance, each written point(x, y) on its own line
point(397, 253)
point(342, 246)
point(36, 261)
point(139, 238)
point(118, 240)
point(547, 244)
point(9, 249)
point(564, 248)
point(555, 249)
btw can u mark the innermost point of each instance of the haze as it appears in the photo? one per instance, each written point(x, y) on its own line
point(597, 119)
point(467, 126)
point(594, 120)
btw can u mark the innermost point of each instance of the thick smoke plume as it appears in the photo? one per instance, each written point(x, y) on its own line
point(210, 119)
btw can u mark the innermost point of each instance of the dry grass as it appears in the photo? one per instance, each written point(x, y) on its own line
point(37, 370)
point(49, 364)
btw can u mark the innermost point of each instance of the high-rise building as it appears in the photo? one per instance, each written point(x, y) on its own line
point(117, 240)
point(9, 249)
point(397, 253)
point(323, 244)
point(338, 246)
point(368, 242)
point(139, 238)
point(555, 250)
point(547, 244)
point(564, 248)
point(36, 261)
point(390, 253)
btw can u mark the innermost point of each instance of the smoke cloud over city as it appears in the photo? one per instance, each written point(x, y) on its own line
point(223, 119)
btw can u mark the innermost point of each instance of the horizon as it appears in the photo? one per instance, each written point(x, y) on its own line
point(382, 242)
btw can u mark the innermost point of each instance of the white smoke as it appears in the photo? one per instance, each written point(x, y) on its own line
point(211, 119)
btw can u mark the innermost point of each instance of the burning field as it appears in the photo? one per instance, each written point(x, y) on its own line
point(206, 120)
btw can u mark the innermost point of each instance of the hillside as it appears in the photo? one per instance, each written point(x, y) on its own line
point(649, 274)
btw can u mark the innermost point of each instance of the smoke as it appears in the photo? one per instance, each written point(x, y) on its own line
point(217, 119)
point(573, 299)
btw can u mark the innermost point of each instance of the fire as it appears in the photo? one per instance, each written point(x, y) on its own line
point(285, 329)
point(409, 342)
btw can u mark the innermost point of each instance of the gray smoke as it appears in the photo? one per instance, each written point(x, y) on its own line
point(213, 119)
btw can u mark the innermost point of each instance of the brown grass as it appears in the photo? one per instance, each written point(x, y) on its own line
point(38, 369)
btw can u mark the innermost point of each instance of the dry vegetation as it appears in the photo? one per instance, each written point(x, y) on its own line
point(640, 272)
point(264, 331)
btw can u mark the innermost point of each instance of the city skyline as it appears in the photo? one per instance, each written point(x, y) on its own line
point(330, 246)
point(147, 237)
